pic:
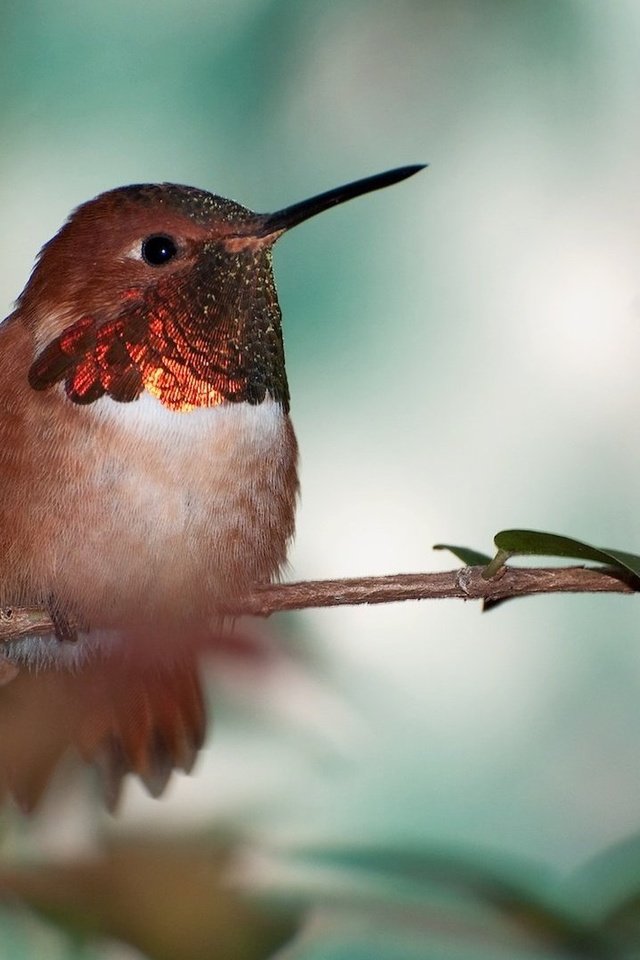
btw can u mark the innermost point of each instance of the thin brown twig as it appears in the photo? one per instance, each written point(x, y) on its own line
point(465, 583)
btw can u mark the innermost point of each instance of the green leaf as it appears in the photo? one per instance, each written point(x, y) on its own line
point(472, 558)
point(404, 878)
point(538, 544)
point(608, 887)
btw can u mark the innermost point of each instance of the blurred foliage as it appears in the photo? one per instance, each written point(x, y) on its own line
point(168, 899)
point(188, 898)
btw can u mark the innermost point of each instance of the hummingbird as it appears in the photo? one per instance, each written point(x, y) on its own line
point(148, 467)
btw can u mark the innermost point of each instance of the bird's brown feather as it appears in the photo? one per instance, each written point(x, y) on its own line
point(122, 716)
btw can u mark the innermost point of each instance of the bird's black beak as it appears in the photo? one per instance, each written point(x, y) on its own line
point(273, 224)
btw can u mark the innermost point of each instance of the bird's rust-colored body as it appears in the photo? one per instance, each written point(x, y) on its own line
point(147, 459)
point(135, 514)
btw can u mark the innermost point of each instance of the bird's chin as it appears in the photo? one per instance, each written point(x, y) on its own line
point(47, 652)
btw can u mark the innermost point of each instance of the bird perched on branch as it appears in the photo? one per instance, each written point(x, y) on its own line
point(147, 465)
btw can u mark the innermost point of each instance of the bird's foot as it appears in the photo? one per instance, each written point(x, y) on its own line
point(64, 630)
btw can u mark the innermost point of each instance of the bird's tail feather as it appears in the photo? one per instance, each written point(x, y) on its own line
point(122, 715)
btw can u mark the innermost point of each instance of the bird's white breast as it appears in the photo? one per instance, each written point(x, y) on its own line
point(259, 425)
point(158, 515)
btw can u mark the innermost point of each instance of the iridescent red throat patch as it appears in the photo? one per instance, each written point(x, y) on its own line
point(188, 344)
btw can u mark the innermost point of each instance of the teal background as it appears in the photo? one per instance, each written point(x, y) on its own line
point(462, 353)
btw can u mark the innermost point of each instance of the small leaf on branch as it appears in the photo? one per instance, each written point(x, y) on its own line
point(539, 544)
point(472, 558)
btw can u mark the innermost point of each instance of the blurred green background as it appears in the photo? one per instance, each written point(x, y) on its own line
point(462, 353)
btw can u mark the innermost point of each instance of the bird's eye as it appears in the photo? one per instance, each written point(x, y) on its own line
point(158, 250)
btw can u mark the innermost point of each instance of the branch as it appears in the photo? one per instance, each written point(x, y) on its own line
point(466, 583)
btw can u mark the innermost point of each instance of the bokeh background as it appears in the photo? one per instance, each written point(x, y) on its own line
point(462, 352)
